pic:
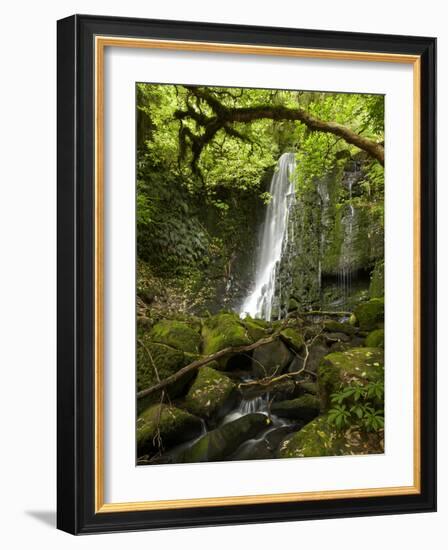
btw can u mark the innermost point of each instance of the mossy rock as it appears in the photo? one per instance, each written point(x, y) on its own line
point(222, 331)
point(175, 426)
point(293, 337)
point(370, 314)
point(375, 339)
point(304, 408)
point(176, 334)
point(320, 438)
point(335, 326)
point(255, 329)
point(211, 394)
point(156, 362)
point(340, 369)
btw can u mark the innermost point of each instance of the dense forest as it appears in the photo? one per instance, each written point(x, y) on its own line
point(260, 273)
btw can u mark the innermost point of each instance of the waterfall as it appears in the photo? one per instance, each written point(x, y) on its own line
point(346, 262)
point(259, 303)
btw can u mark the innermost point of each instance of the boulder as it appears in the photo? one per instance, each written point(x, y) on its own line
point(256, 328)
point(174, 425)
point(211, 395)
point(218, 444)
point(375, 339)
point(304, 408)
point(335, 326)
point(270, 358)
point(222, 331)
point(340, 369)
point(176, 334)
point(320, 438)
point(370, 315)
point(293, 338)
point(156, 362)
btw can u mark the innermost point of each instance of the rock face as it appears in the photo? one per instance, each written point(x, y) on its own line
point(320, 438)
point(176, 334)
point(211, 395)
point(303, 408)
point(341, 368)
point(222, 331)
point(221, 442)
point(271, 358)
point(174, 426)
point(370, 314)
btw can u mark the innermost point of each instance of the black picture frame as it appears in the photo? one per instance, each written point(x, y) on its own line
point(76, 512)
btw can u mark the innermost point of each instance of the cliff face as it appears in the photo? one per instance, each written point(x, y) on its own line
point(336, 244)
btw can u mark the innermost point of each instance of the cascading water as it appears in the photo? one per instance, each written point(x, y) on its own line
point(259, 303)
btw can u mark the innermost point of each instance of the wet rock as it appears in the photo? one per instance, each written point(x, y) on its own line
point(253, 449)
point(270, 358)
point(218, 444)
point(211, 395)
point(303, 408)
point(172, 424)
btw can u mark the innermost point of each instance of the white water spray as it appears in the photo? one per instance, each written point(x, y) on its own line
point(259, 302)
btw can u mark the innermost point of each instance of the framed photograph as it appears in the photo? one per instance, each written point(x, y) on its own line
point(246, 274)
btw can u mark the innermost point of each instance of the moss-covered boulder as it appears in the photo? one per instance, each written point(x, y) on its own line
point(335, 326)
point(320, 438)
point(173, 425)
point(176, 334)
point(370, 315)
point(222, 331)
point(256, 328)
point(293, 338)
point(304, 408)
point(211, 395)
point(270, 358)
point(340, 369)
point(375, 339)
point(156, 362)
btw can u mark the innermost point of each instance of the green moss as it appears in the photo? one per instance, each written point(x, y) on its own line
point(293, 337)
point(223, 330)
point(177, 334)
point(336, 326)
point(174, 425)
point(342, 368)
point(209, 393)
point(376, 289)
point(255, 330)
point(156, 362)
point(375, 339)
point(370, 314)
point(320, 438)
point(305, 407)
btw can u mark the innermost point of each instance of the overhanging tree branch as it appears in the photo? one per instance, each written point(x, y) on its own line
point(225, 116)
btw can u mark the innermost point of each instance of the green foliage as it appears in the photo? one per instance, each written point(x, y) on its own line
point(360, 405)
